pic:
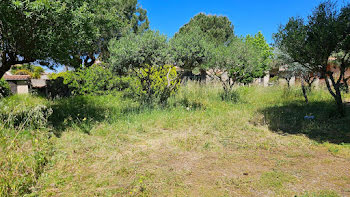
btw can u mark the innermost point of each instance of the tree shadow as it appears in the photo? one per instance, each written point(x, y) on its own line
point(326, 126)
point(76, 111)
point(82, 113)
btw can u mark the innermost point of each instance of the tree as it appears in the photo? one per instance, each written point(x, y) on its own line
point(68, 32)
point(145, 56)
point(234, 63)
point(203, 31)
point(95, 22)
point(312, 44)
point(218, 29)
point(25, 30)
point(290, 69)
point(190, 49)
point(264, 51)
point(138, 51)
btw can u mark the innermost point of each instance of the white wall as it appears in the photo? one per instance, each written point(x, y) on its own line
point(22, 87)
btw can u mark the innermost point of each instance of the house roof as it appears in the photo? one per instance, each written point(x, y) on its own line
point(38, 83)
point(16, 77)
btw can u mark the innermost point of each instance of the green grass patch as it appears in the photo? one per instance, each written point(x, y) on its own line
point(197, 145)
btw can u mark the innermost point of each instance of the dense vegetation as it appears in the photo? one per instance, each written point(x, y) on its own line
point(310, 44)
point(139, 114)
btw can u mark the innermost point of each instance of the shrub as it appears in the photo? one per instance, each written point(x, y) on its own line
point(154, 84)
point(4, 88)
point(95, 80)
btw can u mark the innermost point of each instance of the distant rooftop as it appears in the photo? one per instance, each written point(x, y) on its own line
point(16, 77)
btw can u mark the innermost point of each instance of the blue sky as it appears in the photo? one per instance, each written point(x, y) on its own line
point(248, 17)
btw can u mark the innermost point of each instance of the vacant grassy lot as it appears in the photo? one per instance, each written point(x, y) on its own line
point(199, 145)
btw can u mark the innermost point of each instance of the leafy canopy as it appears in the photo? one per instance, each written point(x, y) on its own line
point(218, 29)
point(68, 32)
point(138, 51)
point(190, 49)
point(237, 62)
point(263, 50)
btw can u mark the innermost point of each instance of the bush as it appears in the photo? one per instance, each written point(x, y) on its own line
point(95, 80)
point(154, 84)
point(4, 88)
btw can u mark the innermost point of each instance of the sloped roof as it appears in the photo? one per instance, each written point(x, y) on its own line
point(16, 77)
point(38, 83)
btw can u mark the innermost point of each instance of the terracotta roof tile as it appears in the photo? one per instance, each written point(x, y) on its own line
point(16, 77)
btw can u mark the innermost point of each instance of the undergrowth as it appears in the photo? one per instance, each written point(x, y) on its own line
point(197, 120)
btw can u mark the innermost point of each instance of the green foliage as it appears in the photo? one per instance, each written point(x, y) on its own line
point(68, 32)
point(56, 86)
point(311, 44)
point(23, 112)
point(138, 51)
point(34, 72)
point(38, 70)
point(190, 49)
point(217, 29)
point(142, 57)
point(263, 50)
point(192, 46)
point(4, 88)
point(95, 22)
point(236, 63)
point(154, 84)
point(53, 76)
point(93, 80)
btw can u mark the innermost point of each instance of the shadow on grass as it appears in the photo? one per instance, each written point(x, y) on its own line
point(83, 113)
point(75, 111)
point(327, 125)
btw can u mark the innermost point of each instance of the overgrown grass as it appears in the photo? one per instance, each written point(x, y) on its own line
point(198, 145)
point(24, 143)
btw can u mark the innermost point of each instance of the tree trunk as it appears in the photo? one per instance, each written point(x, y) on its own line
point(345, 81)
point(203, 75)
point(339, 101)
point(187, 75)
point(288, 82)
point(304, 90)
point(337, 96)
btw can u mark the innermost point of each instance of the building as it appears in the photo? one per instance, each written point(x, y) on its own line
point(23, 84)
point(19, 84)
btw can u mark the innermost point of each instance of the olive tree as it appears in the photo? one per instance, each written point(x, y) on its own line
point(291, 69)
point(234, 63)
point(312, 43)
point(190, 50)
point(145, 56)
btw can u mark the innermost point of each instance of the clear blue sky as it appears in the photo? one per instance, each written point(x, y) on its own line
point(248, 17)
